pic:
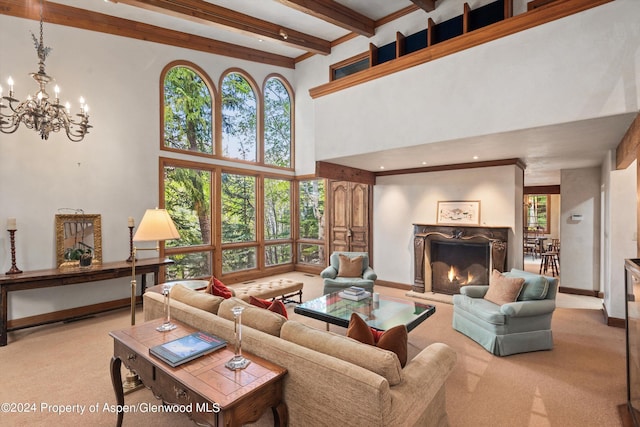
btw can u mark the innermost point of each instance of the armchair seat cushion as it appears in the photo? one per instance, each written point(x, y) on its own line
point(481, 308)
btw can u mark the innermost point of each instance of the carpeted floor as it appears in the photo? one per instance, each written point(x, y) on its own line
point(65, 366)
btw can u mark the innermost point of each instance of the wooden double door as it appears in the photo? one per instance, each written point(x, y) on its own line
point(350, 225)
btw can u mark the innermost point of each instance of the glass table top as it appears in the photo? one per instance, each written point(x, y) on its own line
point(381, 315)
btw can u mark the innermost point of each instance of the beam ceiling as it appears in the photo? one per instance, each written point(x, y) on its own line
point(202, 12)
point(426, 5)
point(335, 13)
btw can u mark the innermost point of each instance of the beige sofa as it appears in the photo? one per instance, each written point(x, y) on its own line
point(331, 379)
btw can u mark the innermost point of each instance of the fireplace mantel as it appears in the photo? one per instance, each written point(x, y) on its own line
point(423, 233)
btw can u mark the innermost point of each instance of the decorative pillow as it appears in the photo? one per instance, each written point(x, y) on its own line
point(253, 317)
point(216, 287)
point(350, 267)
point(276, 306)
point(502, 289)
point(394, 339)
point(196, 299)
point(535, 286)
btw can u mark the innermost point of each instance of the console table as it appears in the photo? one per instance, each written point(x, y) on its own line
point(69, 276)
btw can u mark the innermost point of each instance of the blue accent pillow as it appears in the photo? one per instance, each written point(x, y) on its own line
point(535, 286)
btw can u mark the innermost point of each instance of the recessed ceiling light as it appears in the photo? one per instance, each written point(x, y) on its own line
point(475, 157)
point(381, 167)
point(424, 163)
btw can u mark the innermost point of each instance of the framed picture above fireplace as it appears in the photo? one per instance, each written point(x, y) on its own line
point(459, 212)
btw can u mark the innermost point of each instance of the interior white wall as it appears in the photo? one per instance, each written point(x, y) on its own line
point(620, 236)
point(584, 77)
point(580, 239)
point(113, 172)
point(403, 200)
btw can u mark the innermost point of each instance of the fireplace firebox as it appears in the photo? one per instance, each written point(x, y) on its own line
point(448, 257)
point(455, 264)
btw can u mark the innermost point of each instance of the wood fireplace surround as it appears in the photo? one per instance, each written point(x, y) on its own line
point(496, 239)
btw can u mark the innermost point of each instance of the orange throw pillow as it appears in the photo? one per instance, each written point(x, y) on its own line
point(217, 288)
point(276, 306)
point(350, 267)
point(394, 339)
point(502, 289)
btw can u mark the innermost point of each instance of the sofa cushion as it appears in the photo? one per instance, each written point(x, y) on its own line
point(535, 286)
point(502, 289)
point(481, 308)
point(394, 339)
point(216, 287)
point(196, 299)
point(382, 362)
point(350, 267)
point(254, 317)
point(276, 306)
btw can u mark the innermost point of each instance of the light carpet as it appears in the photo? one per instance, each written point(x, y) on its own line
point(578, 383)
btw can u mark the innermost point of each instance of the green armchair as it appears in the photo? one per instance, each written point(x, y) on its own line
point(333, 283)
point(517, 327)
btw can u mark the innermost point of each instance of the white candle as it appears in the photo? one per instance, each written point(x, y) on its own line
point(131, 222)
point(11, 224)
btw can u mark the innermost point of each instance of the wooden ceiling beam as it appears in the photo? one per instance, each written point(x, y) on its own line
point(627, 149)
point(203, 12)
point(56, 13)
point(426, 5)
point(335, 13)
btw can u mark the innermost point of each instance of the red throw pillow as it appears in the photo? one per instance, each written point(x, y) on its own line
point(276, 306)
point(394, 339)
point(216, 287)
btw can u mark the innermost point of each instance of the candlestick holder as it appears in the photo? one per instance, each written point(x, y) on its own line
point(14, 269)
point(238, 361)
point(130, 259)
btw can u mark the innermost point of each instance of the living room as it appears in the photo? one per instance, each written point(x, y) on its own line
point(574, 71)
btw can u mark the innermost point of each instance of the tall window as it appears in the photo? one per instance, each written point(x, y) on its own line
point(537, 212)
point(187, 117)
point(311, 231)
point(239, 118)
point(187, 196)
point(277, 124)
point(238, 222)
point(277, 221)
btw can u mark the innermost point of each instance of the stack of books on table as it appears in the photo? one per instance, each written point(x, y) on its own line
point(354, 293)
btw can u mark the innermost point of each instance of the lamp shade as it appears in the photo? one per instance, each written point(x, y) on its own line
point(156, 225)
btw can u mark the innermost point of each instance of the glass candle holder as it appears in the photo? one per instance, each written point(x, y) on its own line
point(166, 325)
point(238, 361)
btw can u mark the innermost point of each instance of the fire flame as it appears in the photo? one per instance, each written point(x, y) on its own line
point(452, 274)
point(469, 277)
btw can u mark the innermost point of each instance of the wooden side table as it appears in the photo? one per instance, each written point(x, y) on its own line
point(212, 394)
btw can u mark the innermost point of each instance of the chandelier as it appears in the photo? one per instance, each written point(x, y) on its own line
point(39, 112)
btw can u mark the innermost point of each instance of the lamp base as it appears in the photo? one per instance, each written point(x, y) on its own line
point(167, 326)
point(237, 362)
point(131, 383)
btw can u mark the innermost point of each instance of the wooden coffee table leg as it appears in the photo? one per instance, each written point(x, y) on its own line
point(116, 380)
point(280, 415)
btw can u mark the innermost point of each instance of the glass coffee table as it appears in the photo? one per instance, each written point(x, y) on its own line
point(380, 315)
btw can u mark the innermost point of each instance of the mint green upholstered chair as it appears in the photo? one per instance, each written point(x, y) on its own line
point(517, 327)
point(333, 283)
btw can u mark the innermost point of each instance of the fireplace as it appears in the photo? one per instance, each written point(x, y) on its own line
point(448, 257)
point(455, 264)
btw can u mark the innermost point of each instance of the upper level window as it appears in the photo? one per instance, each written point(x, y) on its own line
point(277, 124)
point(187, 114)
point(239, 118)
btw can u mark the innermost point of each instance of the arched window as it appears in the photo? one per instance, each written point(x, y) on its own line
point(187, 117)
point(239, 118)
point(277, 123)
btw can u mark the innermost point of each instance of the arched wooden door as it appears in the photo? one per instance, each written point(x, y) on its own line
point(350, 225)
